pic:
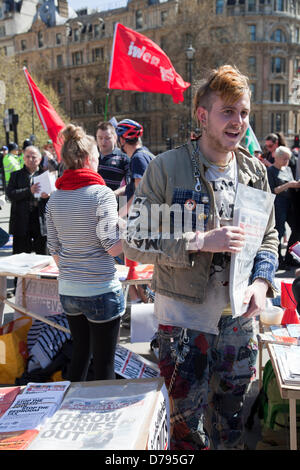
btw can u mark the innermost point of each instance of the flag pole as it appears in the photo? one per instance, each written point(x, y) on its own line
point(106, 105)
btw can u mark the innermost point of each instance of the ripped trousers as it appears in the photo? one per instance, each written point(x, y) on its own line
point(208, 390)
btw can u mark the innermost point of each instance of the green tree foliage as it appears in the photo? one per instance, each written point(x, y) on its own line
point(17, 96)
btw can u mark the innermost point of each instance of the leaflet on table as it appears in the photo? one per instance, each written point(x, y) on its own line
point(294, 330)
point(18, 440)
point(268, 337)
point(7, 397)
point(251, 212)
point(46, 181)
point(133, 366)
point(30, 409)
point(281, 334)
point(23, 263)
point(288, 360)
point(95, 423)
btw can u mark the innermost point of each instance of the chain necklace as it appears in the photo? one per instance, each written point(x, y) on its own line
point(196, 169)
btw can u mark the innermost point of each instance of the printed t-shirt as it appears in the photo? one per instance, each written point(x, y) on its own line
point(205, 316)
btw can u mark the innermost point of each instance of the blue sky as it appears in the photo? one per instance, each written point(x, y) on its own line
point(100, 4)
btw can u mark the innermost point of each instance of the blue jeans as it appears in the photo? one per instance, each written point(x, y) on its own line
point(94, 324)
point(98, 308)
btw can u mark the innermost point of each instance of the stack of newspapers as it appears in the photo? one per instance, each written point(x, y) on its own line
point(288, 360)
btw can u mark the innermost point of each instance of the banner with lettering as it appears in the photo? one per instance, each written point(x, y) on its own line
point(138, 64)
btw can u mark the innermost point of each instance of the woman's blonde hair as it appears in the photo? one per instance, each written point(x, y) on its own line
point(226, 81)
point(282, 150)
point(77, 145)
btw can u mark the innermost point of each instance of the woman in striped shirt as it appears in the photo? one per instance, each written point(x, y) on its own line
point(83, 238)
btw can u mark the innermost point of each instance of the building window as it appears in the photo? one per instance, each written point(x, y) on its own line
point(78, 107)
point(76, 35)
point(119, 104)
point(137, 101)
point(139, 23)
point(252, 32)
point(251, 5)
point(163, 16)
point(219, 7)
point(278, 122)
point(97, 54)
point(252, 65)
point(2, 31)
point(23, 44)
point(96, 30)
point(277, 93)
point(296, 66)
point(77, 84)
point(278, 65)
point(252, 121)
point(98, 81)
point(253, 91)
point(140, 101)
point(98, 106)
point(164, 129)
point(147, 128)
point(60, 87)
point(77, 58)
point(279, 5)
point(40, 39)
point(58, 38)
point(278, 36)
point(59, 61)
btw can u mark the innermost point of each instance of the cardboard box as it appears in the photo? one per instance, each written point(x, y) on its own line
point(109, 415)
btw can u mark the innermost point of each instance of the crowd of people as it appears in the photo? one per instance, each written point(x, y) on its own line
point(206, 355)
point(283, 170)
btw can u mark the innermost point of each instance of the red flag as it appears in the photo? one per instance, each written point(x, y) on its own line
point(49, 118)
point(139, 64)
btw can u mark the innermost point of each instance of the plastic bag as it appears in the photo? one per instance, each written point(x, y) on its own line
point(13, 349)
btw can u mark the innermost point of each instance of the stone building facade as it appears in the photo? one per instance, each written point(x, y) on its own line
point(72, 52)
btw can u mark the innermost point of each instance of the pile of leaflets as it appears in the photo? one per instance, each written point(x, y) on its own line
point(23, 412)
point(288, 360)
point(281, 334)
point(33, 406)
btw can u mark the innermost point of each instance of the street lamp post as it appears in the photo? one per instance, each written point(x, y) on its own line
point(190, 54)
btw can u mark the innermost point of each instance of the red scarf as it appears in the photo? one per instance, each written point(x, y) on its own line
point(74, 179)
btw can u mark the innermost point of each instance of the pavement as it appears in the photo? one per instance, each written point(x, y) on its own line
point(253, 436)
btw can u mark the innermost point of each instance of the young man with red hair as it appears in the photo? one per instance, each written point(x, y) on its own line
point(206, 355)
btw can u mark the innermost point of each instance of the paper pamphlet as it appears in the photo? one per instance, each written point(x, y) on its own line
point(47, 183)
point(110, 416)
point(7, 397)
point(93, 423)
point(252, 210)
point(294, 330)
point(17, 440)
point(288, 361)
point(144, 323)
point(23, 263)
point(31, 408)
point(279, 334)
point(133, 366)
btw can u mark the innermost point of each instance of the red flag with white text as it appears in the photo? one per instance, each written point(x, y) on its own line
point(138, 64)
point(49, 118)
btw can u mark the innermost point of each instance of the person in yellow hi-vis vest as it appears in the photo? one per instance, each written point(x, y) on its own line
point(12, 161)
